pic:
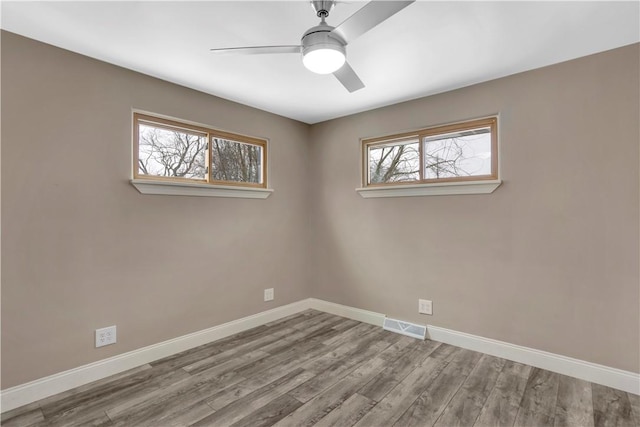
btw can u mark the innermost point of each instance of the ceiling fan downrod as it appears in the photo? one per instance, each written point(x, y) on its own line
point(322, 7)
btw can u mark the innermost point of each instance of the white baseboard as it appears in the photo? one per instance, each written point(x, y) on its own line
point(23, 394)
point(599, 374)
point(358, 314)
point(593, 372)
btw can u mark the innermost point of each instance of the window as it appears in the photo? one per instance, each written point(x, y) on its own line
point(459, 152)
point(167, 150)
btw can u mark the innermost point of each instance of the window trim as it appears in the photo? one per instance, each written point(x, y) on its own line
point(437, 189)
point(491, 122)
point(174, 188)
point(210, 134)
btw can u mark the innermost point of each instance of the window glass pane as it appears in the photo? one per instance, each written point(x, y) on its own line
point(394, 163)
point(236, 161)
point(171, 153)
point(462, 153)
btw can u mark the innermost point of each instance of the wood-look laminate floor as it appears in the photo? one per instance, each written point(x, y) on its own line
point(317, 369)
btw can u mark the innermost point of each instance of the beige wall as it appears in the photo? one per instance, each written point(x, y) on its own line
point(83, 249)
point(548, 261)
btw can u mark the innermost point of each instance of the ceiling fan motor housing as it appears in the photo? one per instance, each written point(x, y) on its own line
point(320, 37)
point(322, 51)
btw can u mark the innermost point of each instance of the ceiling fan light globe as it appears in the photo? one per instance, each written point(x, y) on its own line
point(323, 60)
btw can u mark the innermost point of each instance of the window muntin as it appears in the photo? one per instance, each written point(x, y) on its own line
point(459, 152)
point(174, 151)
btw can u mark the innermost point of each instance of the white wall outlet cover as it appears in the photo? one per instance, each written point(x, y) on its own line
point(268, 294)
point(105, 336)
point(425, 306)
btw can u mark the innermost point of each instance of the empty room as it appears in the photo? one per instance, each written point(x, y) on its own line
point(320, 213)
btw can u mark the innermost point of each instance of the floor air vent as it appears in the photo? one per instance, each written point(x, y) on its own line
point(404, 328)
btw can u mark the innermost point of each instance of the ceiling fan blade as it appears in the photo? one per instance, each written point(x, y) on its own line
point(349, 78)
point(368, 17)
point(253, 50)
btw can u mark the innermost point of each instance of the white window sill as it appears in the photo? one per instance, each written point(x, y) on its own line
point(436, 189)
point(166, 188)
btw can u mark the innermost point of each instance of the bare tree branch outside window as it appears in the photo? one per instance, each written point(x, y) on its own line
point(461, 154)
point(394, 163)
point(171, 153)
point(235, 161)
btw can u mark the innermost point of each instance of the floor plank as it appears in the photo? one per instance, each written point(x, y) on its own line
point(207, 350)
point(226, 396)
point(348, 413)
point(290, 352)
point(108, 388)
point(611, 407)
point(345, 350)
point(323, 403)
point(634, 400)
point(266, 376)
point(365, 351)
point(501, 407)
point(357, 331)
point(183, 415)
point(271, 413)
point(90, 407)
point(426, 409)
point(398, 369)
point(464, 408)
point(574, 406)
point(26, 416)
point(538, 405)
point(193, 389)
point(348, 324)
point(398, 400)
point(315, 409)
point(257, 344)
point(244, 406)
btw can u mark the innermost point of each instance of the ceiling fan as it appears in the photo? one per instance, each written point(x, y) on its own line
point(323, 47)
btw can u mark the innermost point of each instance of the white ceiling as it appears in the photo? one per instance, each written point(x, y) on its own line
point(427, 48)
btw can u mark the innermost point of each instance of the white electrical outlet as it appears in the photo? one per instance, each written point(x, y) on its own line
point(105, 336)
point(268, 294)
point(425, 306)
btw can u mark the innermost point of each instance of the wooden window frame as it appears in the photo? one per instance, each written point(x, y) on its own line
point(210, 134)
point(491, 122)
